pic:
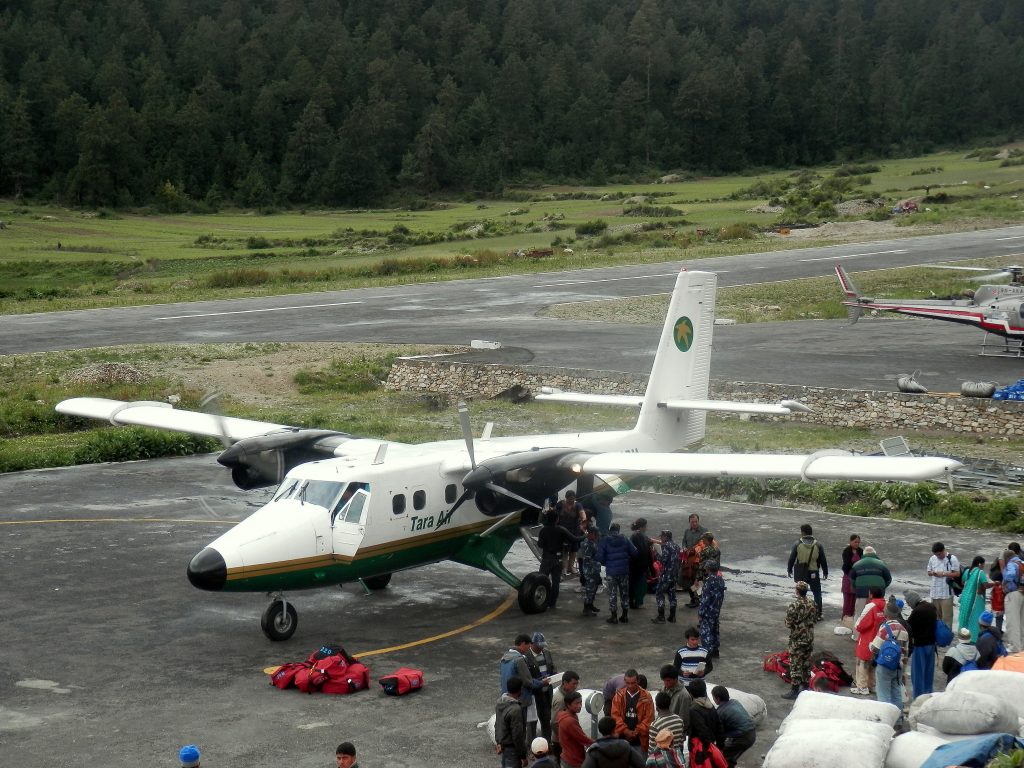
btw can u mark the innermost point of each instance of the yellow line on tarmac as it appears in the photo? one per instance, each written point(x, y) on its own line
point(118, 520)
point(434, 638)
point(482, 620)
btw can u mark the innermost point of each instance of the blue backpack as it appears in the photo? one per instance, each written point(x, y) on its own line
point(890, 654)
point(943, 634)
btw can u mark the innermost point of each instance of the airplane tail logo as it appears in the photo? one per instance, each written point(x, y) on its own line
point(683, 334)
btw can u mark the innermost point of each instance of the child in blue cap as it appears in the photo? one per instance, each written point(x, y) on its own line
point(189, 756)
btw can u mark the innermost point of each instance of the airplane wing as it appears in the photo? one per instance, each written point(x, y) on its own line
point(164, 416)
point(783, 408)
point(823, 465)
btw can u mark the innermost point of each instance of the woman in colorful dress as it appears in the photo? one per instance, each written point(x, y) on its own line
point(972, 599)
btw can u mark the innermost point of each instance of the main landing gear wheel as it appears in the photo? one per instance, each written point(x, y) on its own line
point(280, 620)
point(533, 593)
point(378, 582)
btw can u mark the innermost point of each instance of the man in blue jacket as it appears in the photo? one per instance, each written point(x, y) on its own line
point(614, 553)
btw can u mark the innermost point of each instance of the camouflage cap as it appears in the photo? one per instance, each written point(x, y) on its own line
point(803, 586)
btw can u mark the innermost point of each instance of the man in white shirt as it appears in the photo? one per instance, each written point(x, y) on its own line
point(941, 566)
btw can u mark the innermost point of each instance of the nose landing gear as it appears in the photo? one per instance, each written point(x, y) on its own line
point(280, 620)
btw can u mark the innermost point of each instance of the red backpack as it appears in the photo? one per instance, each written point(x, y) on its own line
point(402, 681)
point(345, 678)
point(284, 677)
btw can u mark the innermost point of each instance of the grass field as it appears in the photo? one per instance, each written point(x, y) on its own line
point(56, 258)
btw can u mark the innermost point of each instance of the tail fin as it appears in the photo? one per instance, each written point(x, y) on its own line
point(682, 365)
point(853, 309)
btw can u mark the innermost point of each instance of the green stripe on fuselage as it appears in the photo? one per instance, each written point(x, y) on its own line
point(363, 566)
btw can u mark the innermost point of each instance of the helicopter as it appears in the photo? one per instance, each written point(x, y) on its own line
point(995, 309)
point(356, 510)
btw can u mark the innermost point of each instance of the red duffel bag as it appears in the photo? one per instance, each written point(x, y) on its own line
point(401, 682)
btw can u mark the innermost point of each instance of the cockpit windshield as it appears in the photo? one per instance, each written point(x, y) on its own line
point(335, 496)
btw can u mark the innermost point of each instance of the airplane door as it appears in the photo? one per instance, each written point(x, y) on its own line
point(350, 524)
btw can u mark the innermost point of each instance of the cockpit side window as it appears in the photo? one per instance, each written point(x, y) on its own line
point(354, 511)
point(343, 509)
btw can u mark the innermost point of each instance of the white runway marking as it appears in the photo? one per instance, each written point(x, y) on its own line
point(608, 280)
point(1015, 237)
point(253, 311)
point(854, 255)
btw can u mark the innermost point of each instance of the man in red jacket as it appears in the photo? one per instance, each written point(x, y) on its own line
point(571, 737)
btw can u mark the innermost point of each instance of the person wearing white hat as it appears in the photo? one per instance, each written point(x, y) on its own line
point(539, 750)
point(963, 654)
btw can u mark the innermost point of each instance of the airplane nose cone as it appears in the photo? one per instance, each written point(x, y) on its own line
point(208, 570)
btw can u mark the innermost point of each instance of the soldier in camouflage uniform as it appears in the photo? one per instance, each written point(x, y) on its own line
point(800, 618)
point(712, 594)
point(590, 570)
point(667, 578)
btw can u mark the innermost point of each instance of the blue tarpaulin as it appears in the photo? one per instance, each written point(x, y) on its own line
point(973, 753)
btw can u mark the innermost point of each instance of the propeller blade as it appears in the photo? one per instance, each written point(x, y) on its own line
point(458, 502)
point(467, 432)
point(211, 405)
point(509, 494)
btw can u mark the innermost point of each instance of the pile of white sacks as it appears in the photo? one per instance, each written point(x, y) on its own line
point(825, 730)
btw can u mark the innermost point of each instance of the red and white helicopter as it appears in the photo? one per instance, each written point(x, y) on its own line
point(995, 309)
point(351, 509)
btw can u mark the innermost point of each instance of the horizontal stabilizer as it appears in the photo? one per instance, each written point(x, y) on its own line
point(163, 416)
point(818, 466)
point(784, 408)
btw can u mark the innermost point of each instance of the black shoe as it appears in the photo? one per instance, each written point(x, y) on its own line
point(594, 611)
point(794, 692)
point(624, 618)
point(672, 616)
point(659, 619)
point(612, 620)
point(587, 613)
point(693, 604)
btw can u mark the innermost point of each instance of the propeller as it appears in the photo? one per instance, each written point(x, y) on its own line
point(211, 404)
point(480, 476)
point(999, 274)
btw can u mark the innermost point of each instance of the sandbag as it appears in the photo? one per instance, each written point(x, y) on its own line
point(827, 743)
point(752, 703)
point(1007, 686)
point(833, 725)
point(968, 712)
point(812, 705)
point(927, 730)
point(911, 749)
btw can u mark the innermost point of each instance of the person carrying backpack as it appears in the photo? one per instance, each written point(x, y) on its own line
point(890, 648)
point(990, 642)
point(962, 657)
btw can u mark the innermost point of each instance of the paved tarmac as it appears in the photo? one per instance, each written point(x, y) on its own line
point(112, 659)
point(504, 309)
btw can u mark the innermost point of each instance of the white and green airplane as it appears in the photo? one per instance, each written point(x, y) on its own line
point(351, 509)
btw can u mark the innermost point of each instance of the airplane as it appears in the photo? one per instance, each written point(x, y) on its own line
point(996, 309)
point(356, 510)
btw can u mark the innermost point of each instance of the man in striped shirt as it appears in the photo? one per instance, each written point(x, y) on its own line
point(665, 718)
point(692, 660)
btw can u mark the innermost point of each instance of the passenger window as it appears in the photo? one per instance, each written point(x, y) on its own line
point(450, 492)
point(398, 503)
point(419, 500)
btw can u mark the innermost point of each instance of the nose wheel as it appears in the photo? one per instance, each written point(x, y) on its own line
point(280, 620)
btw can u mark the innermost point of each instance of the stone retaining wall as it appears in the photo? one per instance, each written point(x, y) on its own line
point(830, 407)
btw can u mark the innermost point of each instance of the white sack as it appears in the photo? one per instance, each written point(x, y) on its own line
point(927, 730)
point(818, 743)
point(751, 702)
point(813, 705)
point(911, 749)
point(968, 712)
point(1008, 686)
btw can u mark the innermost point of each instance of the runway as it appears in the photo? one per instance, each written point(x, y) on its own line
point(504, 309)
point(113, 659)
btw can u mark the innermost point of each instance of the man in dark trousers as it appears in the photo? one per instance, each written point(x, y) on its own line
point(807, 563)
point(510, 726)
point(553, 541)
point(921, 621)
